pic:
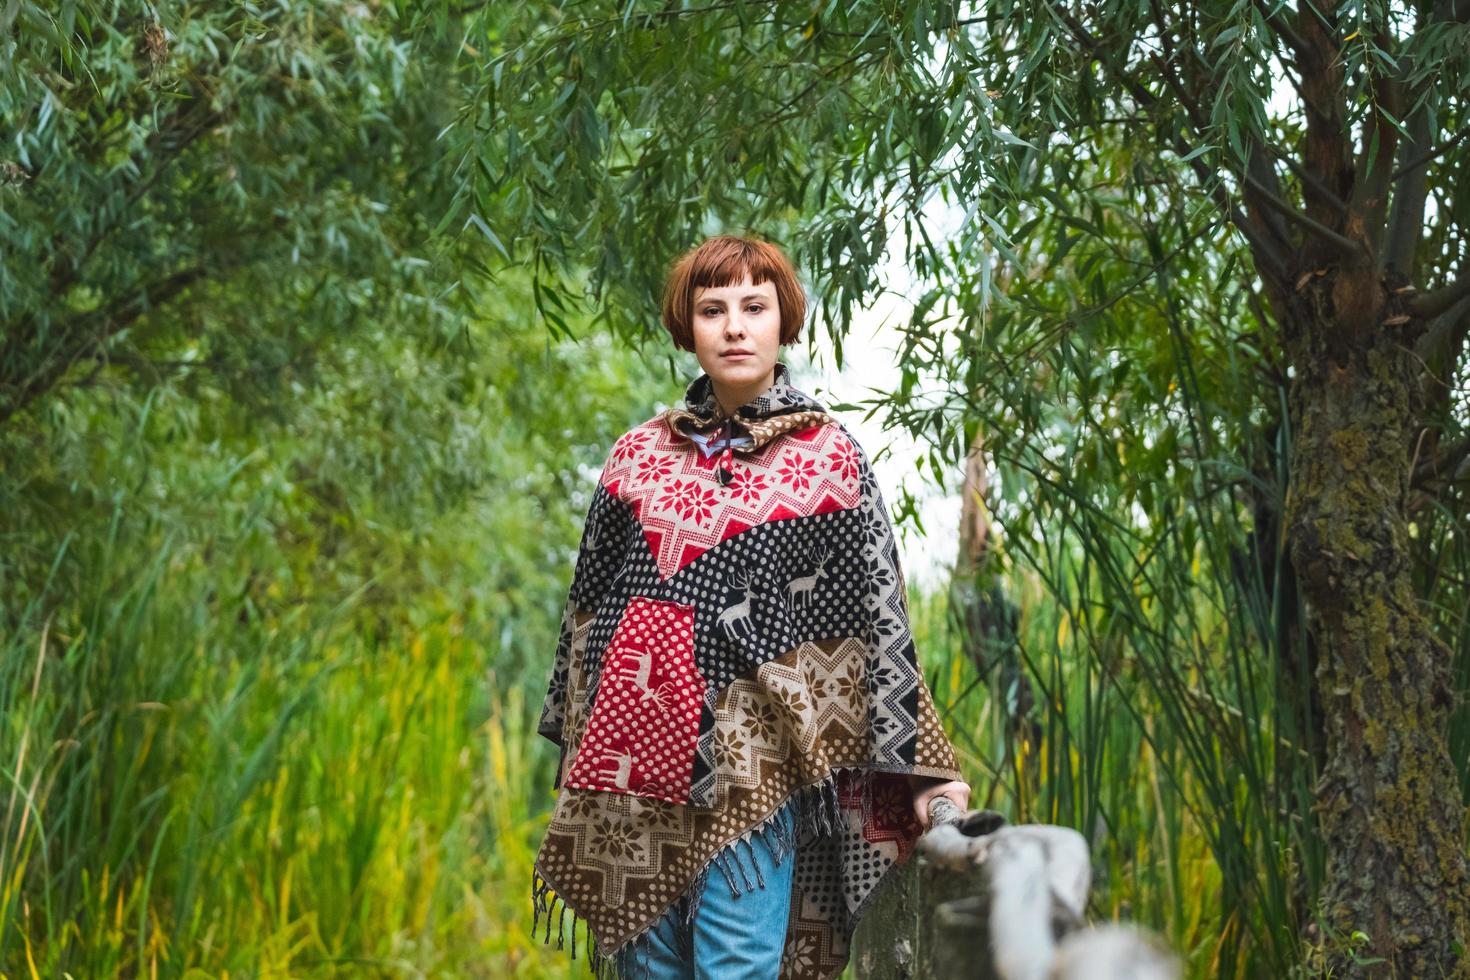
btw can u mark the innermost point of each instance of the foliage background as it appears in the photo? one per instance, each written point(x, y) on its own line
point(317, 317)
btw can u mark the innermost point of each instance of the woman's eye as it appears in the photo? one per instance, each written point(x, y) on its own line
point(756, 307)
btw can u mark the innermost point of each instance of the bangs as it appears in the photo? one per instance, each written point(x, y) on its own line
point(726, 260)
point(728, 264)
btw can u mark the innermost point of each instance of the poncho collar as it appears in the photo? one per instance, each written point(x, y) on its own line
point(780, 398)
point(780, 409)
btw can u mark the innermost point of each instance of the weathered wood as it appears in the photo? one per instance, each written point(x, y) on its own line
point(986, 901)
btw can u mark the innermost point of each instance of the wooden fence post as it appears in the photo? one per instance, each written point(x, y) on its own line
point(985, 901)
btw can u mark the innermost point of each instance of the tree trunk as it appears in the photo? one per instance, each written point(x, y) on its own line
point(988, 619)
point(1388, 799)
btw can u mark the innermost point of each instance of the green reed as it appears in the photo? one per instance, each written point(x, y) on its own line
point(196, 792)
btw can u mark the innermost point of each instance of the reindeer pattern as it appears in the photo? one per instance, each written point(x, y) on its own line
point(641, 733)
point(799, 590)
point(737, 614)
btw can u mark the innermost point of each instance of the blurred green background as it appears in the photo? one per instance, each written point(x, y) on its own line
point(319, 318)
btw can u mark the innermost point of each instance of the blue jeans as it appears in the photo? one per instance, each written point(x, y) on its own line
point(735, 936)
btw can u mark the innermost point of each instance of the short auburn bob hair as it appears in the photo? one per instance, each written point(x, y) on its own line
point(724, 260)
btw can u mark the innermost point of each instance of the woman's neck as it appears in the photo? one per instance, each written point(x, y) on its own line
point(731, 397)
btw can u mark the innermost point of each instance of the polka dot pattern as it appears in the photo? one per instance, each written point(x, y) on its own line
point(641, 735)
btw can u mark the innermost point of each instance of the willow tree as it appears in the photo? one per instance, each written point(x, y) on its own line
point(1318, 137)
point(200, 196)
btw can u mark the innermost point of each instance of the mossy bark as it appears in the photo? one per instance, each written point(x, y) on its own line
point(901, 938)
point(1388, 800)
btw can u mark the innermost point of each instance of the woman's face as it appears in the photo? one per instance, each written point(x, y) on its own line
point(730, 319)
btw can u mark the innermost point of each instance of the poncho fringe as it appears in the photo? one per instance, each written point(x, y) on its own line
point(817, 806)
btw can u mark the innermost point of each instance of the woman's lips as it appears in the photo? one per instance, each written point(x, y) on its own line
point(736, 357)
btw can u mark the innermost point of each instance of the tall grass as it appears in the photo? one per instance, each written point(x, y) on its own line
point(195, 791)
point(1160, 632)
point(268, 690)
point(1138, 756)
point(1158, 648)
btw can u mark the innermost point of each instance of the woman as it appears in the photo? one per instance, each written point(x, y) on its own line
point(735, 685)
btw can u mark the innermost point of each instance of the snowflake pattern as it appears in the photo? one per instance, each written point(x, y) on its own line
point(881, 724)
point(791, 700)
point(583, 804)
point(616, 840)
point(688, 499)
point(761, 721)
point(657, 815)
point(797, 470)
point(801, 953)
point(630, 444)
point(850, 684)
point(844, 459)
point(749, 487)
point(701, 505)
point(556, 689)
point(730, 749)
point(653, 468)
point(815, 682)
point(676, 496)
point(892, 804)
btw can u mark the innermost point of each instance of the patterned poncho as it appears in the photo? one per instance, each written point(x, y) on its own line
point(736, 635)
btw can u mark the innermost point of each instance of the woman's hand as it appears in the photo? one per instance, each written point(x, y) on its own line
point(927, 787)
